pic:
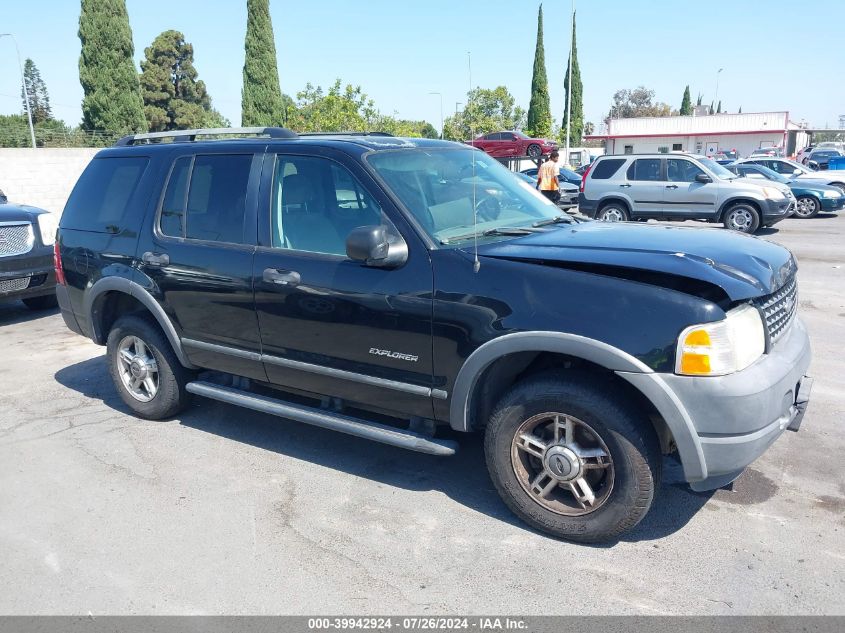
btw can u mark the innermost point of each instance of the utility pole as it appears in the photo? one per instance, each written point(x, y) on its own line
point(23, 85)
point(441, 113)
point(569, 88)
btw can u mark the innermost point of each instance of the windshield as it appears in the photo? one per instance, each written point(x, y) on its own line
point(824, 154)
point(441, 187)
point(716, 169)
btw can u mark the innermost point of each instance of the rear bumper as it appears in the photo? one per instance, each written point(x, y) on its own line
point(586, 206)
point(28, 275)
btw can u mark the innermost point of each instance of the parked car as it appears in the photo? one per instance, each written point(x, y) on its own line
point(383, 288)
point(566, 175)
point(725, 156)
point(568, 193)
point(767, 151)
point(819, 158)
point(804, 154)
point(810, 196)
point(793, 170)
point(26, 256)
point(679, 187)
point(504, 144)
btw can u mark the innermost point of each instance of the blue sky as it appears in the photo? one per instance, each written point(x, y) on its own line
point(399, 51)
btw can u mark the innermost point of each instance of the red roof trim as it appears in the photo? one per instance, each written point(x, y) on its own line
point(607, 136)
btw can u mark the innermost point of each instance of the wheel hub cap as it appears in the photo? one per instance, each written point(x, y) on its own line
point(562, 463)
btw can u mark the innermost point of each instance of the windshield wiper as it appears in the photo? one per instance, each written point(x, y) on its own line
point(558, 219)
point(502, 230)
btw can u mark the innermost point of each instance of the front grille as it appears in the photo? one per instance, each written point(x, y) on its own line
point(16, 239)
point(12, 285)
point(779, 309)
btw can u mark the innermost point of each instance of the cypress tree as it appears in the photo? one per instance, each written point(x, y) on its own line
point(539, 110)
point(107, 72)
point(719, 107)
point(686, 103)
point(261, 98)
point(576, 130)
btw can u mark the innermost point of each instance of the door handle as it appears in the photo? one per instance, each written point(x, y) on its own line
point(156, 259)
point(281, 277)
point(671, 186)
point(627, 184)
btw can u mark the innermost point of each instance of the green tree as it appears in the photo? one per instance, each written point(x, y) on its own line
point(698, 101)
point(686, 103)
point(174, 99)
point(107, 71)
point(712, 111)
point(740, 110)
point(719, 107)
point(638, 102)
point(261, 98)
point(576, 128)
point(486, 111)
point(36, 90)
point(539, 121)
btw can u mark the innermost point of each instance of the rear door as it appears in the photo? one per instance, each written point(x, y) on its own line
point(646, 185)
point(684, 197)
point(198, 258)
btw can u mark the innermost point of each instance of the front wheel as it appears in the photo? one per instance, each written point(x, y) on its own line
point(807, 207)
point(534, 151)
point(571, 460)
point(742, 218)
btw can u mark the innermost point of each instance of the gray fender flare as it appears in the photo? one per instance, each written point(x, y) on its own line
point(637, 373)
point(126, 286)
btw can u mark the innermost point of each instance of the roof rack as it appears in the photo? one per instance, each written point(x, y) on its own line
point(345, 134)
point(188, 136)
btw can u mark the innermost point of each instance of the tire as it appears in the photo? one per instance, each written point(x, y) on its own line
point(742, 217)
point(807, 207)
point(623, 490)
point(613, 212)
point(46, 302)
point(170, 377)
point(534, 151)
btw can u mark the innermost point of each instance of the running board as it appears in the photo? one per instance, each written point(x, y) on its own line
point(326, 419)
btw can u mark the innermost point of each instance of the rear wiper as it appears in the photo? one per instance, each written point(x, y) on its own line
point(558, 219)
point(502, 230)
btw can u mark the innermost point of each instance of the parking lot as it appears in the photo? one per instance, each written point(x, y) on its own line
point(226, 511)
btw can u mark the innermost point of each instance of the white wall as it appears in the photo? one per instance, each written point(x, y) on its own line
point(42, 177)
point(744, 144)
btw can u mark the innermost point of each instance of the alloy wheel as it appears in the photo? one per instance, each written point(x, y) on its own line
point(612, 214)
point(806, 207)
point(137, 368)
point(740, 220)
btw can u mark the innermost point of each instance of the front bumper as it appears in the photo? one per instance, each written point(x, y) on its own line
point(776, 210)
point(832, 204)
point(27, 275)
point(721, 424)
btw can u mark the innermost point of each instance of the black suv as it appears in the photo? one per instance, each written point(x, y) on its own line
point(383, 287)
point(27, 236)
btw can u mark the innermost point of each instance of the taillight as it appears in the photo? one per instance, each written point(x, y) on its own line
point(584, 177)
point(57, 264)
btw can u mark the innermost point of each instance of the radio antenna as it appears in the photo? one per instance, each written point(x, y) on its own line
point(476, 265)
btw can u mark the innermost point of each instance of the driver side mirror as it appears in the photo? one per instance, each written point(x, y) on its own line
point(376, 246)
point(813, 165)
point(796, 172)
point(703, 178)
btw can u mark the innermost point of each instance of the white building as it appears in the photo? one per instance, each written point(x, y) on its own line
point(704, 134)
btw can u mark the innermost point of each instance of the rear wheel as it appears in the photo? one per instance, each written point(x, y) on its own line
point(534, 151)
point(572, 460)
point(47, 302)
point(742, 217)
point(807, 207)
point(145, 370)
point(613, 212)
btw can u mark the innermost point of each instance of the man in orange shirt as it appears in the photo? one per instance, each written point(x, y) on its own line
point(547, 176)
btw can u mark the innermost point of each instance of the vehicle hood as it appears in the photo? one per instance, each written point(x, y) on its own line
point(774, 184)
point(742, 266)
point(19, 212)
point(806, 185)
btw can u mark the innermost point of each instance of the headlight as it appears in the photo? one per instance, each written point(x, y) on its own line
point(47, 226)
point(771, 192)
point(722, 347)
point(832, 194)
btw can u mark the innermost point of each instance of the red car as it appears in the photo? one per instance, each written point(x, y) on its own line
point(503, 144)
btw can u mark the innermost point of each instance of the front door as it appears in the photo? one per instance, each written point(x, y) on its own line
point(198, 260)
point(331, 326)
point(645, 186)
point(684, 196)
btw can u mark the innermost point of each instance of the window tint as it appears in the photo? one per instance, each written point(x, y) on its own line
point(172, 218)
point(679, 170)
point(646, 169)
point(605, 169)
point(493, 137)
point(778, 166)
point(316, 204)
point(102, 199)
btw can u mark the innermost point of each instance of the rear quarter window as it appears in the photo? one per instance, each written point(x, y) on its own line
point(105, 198)
point(605, 169)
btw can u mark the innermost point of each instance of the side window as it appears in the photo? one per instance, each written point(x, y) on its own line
point(679, 170)
point(213, 209)
point(102, 199)
point(316, 204)
point(606, 168)
point(493, 137)
point(645, 169)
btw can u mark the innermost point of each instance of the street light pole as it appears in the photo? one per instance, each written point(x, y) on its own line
point(716, 100)
point(23, 84)
point(441, 113)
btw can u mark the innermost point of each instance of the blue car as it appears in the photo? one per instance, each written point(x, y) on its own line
point(566, 175)
point(811, 197)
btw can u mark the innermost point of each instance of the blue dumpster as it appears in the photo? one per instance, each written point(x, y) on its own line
point(837, 163)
